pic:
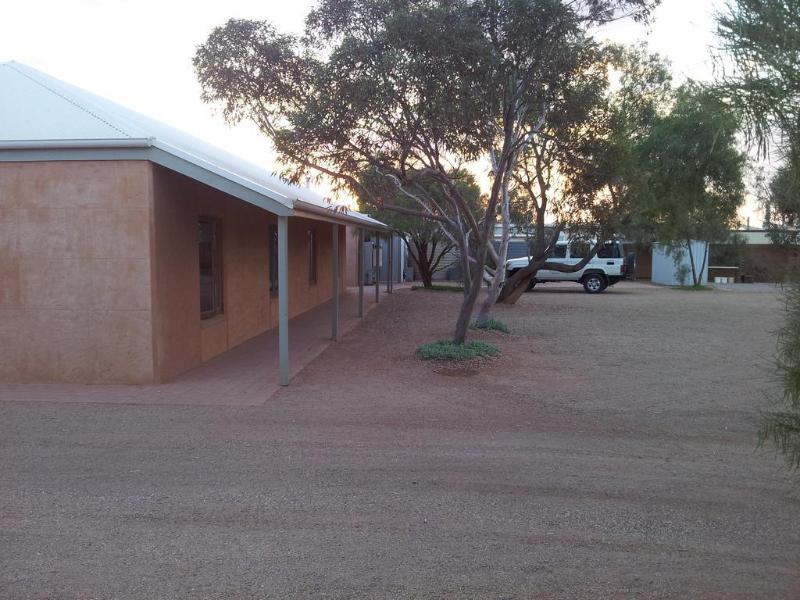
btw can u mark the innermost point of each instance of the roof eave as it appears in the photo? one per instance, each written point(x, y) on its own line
point(332, 215)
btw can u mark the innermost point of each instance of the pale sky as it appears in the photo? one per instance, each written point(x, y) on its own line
point(138, 52)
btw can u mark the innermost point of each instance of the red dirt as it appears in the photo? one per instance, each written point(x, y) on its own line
point(610, 452)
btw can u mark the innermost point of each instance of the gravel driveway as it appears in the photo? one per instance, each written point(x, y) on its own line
point(609, 453)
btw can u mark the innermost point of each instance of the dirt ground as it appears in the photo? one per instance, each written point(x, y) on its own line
point(609, 453)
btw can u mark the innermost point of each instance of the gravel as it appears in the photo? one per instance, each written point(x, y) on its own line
point(608, 453)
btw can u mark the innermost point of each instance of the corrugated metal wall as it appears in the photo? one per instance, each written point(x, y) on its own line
point(398, 259)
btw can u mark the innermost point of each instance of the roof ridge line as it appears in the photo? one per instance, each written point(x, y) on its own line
point(13, 65)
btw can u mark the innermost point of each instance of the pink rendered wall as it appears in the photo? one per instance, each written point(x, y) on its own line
point(99, 279)
point(75, 272)
point(182, 339)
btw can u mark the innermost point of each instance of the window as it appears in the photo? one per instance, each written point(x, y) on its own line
point(579, 249)
point(273, 258)
point(609, 250)
point(208, 241)
point(560, 251)
point(312, 256)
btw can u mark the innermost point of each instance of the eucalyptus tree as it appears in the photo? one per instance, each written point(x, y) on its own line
point(782, 205)
point(581, 173)
point(414, 90)
point(430, 245)
point(692, 171)
point(760, 44)
point(760, 76)
point(759, 64)
point(780, 426)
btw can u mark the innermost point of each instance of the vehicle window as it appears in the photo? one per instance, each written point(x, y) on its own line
point(579, 249)
point(558, 252)
point(609, 250)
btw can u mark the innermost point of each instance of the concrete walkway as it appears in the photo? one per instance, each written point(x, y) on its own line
point(246, 375)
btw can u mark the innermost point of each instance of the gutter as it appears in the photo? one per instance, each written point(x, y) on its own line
point(99, 144)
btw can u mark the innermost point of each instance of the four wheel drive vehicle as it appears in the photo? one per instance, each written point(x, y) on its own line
point(606, 268)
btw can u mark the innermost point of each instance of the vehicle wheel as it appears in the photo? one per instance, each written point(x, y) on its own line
point(594, 283)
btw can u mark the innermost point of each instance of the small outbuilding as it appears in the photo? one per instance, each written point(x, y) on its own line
point(672, 265)
point(131, 252)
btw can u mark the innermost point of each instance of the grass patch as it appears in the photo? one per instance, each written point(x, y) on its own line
point(491, 325)
point(439, 288)
point(447, 350)
point(693, 288)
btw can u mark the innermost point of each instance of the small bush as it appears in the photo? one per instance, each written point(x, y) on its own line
point(447, 350)
point(780, 427)
point(492, 325)
point(693, 288)
point(439, 288)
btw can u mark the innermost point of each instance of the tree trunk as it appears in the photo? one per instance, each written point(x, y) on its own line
point(472, 279)
point(511, 295)
point(424, 264)
point(500, 269)
point(703, 265)
point(465, 266)
point(517, 284)
point(427, 279)
point(419, 255)
point(468, 305)
point(691, 261)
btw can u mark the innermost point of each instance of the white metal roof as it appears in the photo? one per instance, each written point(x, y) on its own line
point(40, 112)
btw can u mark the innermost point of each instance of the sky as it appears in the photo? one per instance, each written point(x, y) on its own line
point(138, 52)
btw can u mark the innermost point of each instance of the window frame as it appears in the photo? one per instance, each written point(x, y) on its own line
point(272, 258)
point(312, 256)
point(216, 267)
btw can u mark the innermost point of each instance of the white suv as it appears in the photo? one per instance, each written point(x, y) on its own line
point(606, 268)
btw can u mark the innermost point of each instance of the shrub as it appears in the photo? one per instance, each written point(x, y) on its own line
point(447, 350)
point(693, 288)
point(781, 426)
point(492, 325)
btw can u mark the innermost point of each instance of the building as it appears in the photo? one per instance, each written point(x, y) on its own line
point(748, 256)
point(751, 255)
point(672, 265)
point(379, 253)
point(131, 252)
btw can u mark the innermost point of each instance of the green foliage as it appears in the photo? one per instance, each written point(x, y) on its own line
point(728, 253)
point(491, 325)
point(760, 40)
point(378, 197)
point(782, 204)
point(409, 90)
point(780, 427)
point(448, 350)
point(398, 87)
point(691, 183)
point(580, 174)
point(682, 270)
point(439, 288)
point(426, 240)
point(606, 177)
